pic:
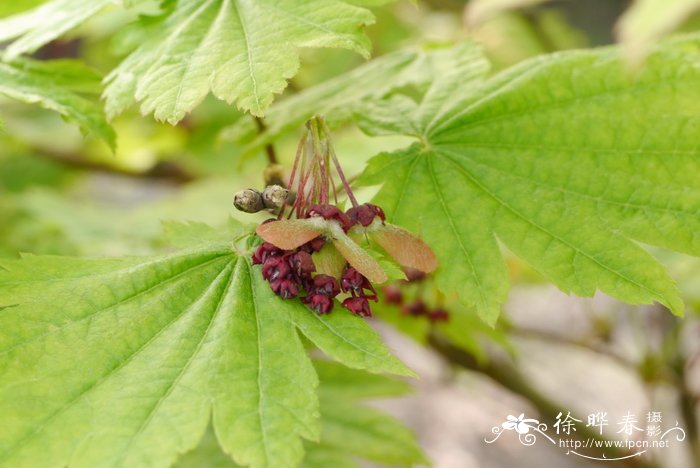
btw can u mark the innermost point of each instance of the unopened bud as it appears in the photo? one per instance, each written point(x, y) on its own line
point(249, 201)
point(274, 175)
point(274, 197)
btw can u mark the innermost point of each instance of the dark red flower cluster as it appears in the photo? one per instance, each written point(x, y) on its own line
point(286, 272)
point(358, 287)
point(330, 212)
point(308, 223)
point(417, 306)
point(362, 214)
point(365, 214)
point(292, 273)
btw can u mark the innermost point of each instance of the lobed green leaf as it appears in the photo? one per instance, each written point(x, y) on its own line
point(58, 85)
point(48, 21)
point(569, 160)
point(123, 361)
point(383, 438)
point(243, 52)
point(351, 93)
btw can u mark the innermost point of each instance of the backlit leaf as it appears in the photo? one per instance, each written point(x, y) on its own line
point(243, 52)
point(63, 86)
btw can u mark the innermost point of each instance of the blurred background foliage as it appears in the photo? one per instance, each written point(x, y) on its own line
point(63, 194)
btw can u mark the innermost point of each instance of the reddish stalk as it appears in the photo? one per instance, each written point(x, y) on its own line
point(312, 171)
point(338, 169)
point(292, 176)
point(301, 192)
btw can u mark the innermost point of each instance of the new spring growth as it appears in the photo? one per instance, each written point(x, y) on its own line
point(272, 198)
point(316, 251)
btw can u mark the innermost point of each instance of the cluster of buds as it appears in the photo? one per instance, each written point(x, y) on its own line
point(292, 272)
point(314, 251)
point(416, 306)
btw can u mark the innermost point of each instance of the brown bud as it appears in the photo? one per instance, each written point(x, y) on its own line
point(274, 197)
point(249, 201)
point(274, 175)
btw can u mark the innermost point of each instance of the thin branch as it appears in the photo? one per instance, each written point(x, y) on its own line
point(269, 148)
point(164, 170)
point(509, 377)
point(590, 345)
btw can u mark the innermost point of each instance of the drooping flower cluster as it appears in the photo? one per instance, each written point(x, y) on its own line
point(286, 271)
point(293, 273)
point(314, 251)
point(413, 304)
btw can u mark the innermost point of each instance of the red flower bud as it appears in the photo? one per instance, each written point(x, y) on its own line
point(365, 214)
point(314, 245)
point(275, 268)
point(319, 303)
point(413, 275)
point(416, 308)
point(302, 264)
point(438, 315)
point(353, 282)
point(358, 306)
point(392, 295)
point(330, 212)
point(265, 251)
point(285, 288)
point(325, 285)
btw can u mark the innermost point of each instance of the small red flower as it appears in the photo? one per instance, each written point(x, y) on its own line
point(276, 268)
point(314, 245)
point(265, 251)
point(364, 214)
point(415, 308)
point(358, 306)
point(319, 303)
point(302, 264)
point(330, 212)
point(392, 295)
point(352, 280)
point(413, 275)
point(438, 315)
point(285, 288)
point(354, 283)
point(326, 285)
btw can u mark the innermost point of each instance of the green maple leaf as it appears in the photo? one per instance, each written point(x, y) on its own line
point(350, 430)
point(243, 52)
point(339, 97)
point(63, 86)
point(334, 98)
point(569, 160)
point(34, 28)
point(123, 361)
